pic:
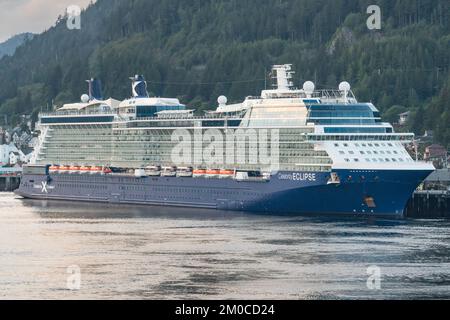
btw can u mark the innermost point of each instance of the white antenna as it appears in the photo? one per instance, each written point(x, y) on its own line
point(222, 100)
point(345, 88)
point(309, 88)
point(283, 75)
point(85, 98)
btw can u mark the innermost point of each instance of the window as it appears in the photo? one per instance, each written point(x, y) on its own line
point(356, 160)
point(341, 152)
point(336, 144)
point(347, 160)
point(351, 152)
point(362, 152)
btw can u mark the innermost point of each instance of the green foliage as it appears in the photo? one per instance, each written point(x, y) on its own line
point(391, 115)
point(8, 47)
point(438, 115)
point(197, 50)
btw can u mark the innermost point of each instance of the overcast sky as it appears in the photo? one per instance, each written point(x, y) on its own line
point(18, 16)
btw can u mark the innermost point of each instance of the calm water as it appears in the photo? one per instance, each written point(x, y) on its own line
point(156, 253)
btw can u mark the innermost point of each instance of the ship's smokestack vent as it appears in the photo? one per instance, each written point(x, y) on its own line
point(95, 89)
point(139, 87)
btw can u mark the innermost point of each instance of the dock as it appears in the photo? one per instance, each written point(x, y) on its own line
point(433, 201)
point(429, 205)
point(10, 179)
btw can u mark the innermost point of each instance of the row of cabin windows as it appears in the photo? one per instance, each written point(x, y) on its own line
point(371, 152)
point(83, 186)
point(379, 160)
point(366, 145)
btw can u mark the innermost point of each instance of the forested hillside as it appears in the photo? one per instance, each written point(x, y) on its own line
point(9, 46)
point(199, 49)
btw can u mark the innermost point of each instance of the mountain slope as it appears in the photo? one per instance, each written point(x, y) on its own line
point(9, 46)
point(199, 49)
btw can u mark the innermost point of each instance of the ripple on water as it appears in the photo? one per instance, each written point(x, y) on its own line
point(132, 252)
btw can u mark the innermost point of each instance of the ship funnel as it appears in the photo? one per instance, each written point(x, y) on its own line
point(95, 89)
point(139, 87)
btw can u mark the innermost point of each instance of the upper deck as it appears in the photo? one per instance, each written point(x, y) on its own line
point(330, 111)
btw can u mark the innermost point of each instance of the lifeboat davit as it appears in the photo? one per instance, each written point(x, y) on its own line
point(107, 171)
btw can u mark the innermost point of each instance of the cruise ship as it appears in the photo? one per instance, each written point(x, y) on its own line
point(289, 151)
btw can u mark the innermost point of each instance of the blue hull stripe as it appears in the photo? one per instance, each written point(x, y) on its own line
point(359, 192)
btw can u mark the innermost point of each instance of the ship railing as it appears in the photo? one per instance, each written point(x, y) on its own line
point(212, 116)
point(254, 98)
point(333, 95)
point(401, 137)
point(75, 113)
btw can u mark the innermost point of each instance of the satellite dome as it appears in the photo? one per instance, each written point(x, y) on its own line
point(344, 86)
point(222, 100)
point(85, 98)
point(309, 87)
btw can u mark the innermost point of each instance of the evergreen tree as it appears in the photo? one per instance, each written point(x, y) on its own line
point(199, 49)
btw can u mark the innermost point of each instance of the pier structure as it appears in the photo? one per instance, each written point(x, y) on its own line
point(9, 179)
point(429, 204)
point(433, 201)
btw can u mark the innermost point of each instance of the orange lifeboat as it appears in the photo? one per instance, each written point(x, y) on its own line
point(226, 173)
point(74, 169)
point(84, 169)
point(95, 170)
point(53, 168)
point(212, 173)
point(64, 169)
point(199, 172)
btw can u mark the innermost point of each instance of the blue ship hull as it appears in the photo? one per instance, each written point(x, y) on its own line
point(297, 193)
